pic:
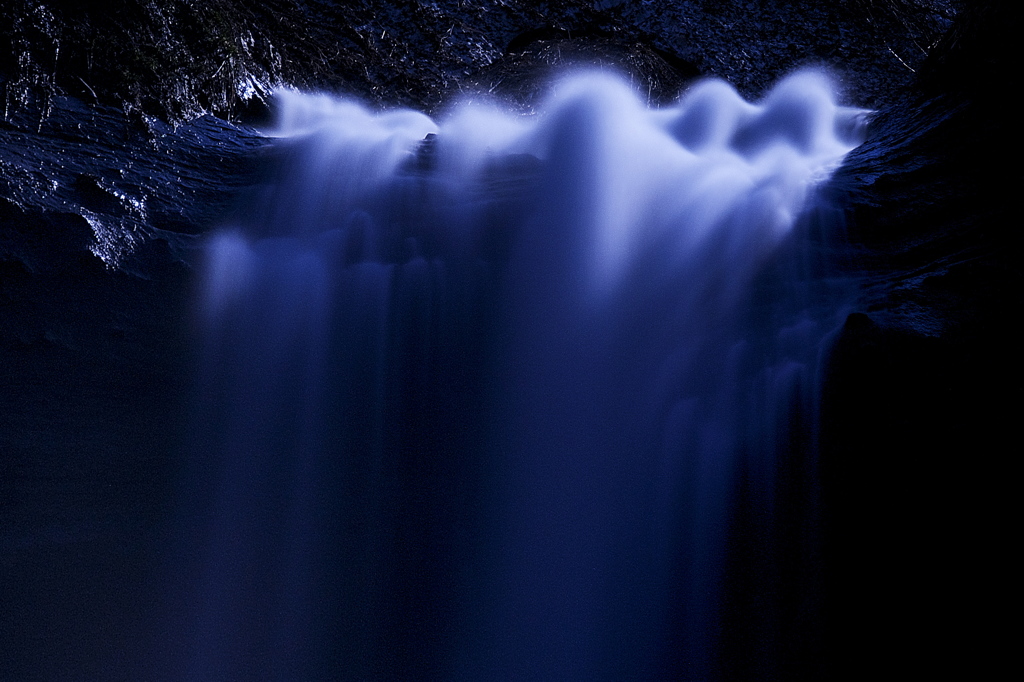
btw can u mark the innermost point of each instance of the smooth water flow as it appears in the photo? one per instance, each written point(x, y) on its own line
point(514, 397)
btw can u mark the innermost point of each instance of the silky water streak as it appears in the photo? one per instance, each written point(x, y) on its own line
point(518, 397)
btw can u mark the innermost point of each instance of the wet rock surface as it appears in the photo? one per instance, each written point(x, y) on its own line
point(177, 58)
point(100, 219)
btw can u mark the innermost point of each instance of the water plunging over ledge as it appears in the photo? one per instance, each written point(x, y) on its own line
point(516, 397)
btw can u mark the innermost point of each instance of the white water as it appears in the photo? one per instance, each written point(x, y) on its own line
point(487, 409)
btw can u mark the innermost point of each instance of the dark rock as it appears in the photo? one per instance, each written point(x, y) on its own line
point(177, 59)
point(923, 382)
point(130, 186)
point(98, 222)
point(523, 75)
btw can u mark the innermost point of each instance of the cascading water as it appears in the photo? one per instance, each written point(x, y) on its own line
point(530, 398)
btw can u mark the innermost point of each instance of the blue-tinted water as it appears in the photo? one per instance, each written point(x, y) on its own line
point(532, 398)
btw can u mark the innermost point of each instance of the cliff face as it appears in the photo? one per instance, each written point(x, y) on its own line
point(176, 58)
point(111, 168)
point(924, 378)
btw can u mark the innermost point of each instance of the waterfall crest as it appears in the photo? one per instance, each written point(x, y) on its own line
point(509, 397)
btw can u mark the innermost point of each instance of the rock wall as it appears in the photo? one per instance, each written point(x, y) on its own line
point(177, 58)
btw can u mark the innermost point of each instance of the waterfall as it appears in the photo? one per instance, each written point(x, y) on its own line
point(517, 397)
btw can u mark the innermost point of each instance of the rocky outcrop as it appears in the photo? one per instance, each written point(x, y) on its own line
point(176, 58)
point(100, 216)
